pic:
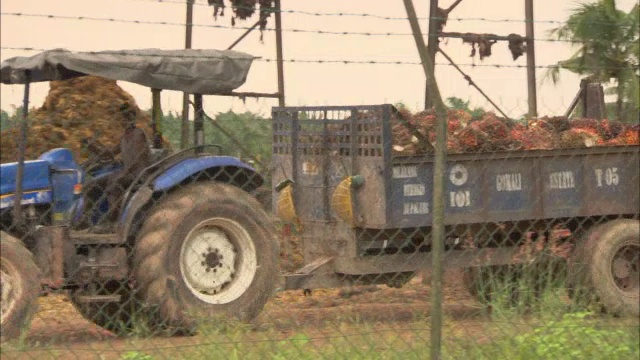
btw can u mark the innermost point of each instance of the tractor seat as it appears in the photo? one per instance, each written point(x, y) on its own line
point(159, 154)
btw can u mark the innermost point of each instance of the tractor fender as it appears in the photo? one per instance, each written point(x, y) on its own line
point(224, 169)
point(215, 167)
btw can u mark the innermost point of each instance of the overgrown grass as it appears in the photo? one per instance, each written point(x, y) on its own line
point(533, 318)
point(574, 336)
point(539, 322)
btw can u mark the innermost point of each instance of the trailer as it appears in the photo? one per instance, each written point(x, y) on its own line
point(366, 214)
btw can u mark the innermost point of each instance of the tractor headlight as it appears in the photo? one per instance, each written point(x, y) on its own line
point(285, 207)
point(342, 198)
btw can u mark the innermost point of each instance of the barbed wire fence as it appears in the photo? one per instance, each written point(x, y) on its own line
point(541, 232)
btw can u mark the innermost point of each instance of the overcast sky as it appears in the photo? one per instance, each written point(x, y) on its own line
point(309, 83)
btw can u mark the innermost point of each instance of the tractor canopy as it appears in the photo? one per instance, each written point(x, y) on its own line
point(194, 71)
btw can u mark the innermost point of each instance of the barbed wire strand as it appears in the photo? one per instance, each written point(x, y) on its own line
point(216, 26)
point(311, 61)
point(376, 16)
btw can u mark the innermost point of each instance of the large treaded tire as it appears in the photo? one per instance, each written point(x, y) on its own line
point(20, 285)
point(212, 219)
point(597, 274)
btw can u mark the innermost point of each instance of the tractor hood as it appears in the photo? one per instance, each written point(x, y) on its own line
point(194, 71)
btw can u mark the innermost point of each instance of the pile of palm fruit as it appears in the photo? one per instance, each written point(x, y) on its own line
point(75, 109)
point(491, 133)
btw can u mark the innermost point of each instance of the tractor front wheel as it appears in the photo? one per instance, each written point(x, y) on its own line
point(19, 285)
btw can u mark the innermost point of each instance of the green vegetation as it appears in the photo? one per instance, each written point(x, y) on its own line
point(459, 104)
point(8, 121)
point(573, 336)
point(248, 131)
point(135, 355)
point(552, 330)
point(608, 41)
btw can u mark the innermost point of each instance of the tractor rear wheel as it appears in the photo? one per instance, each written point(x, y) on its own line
point(205, 250)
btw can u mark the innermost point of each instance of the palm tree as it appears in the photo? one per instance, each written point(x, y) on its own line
point(608, 49)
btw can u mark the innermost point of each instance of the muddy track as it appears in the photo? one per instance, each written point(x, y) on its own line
point(58, 323)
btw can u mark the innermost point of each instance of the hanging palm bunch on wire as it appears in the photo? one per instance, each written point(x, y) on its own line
point(244, 9)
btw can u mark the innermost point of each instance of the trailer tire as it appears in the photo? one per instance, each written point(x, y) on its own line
point(605, 266)
point(207, 250)
point(20, 284)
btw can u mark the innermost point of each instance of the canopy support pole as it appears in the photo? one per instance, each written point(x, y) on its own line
point(198, 122)
point(156, 118)
point(17, 198)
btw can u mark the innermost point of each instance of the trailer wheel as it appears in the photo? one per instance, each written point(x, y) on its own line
point(604, 268)
point(19, 285)
point(205, 250)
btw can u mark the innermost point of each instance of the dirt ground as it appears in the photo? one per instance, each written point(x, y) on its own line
point(58, 325)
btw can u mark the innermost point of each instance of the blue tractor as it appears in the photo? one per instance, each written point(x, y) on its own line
point(191, 241)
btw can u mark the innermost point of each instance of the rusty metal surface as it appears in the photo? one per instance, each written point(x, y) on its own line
point(486, 194)
point(314, 281)
point(525, 185)
point(317, 147)
point(482, 187)
point(419, 262)
point(49, 254)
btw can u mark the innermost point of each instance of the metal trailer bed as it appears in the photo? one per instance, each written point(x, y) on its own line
point(317, 147)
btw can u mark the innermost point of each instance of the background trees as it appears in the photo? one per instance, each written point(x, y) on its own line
point(607, 40)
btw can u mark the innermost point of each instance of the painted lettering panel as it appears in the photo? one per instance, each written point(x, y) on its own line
point(509, 186)
point(562, 186)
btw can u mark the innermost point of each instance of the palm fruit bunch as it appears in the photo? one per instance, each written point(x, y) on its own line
point(488, 133)
point(414, 134)
point(73, 110)
point(244, 9)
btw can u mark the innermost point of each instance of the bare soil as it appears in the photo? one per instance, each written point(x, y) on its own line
point(57, 325)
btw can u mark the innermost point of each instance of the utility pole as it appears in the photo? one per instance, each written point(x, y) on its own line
point(432, 47)
point(531, 60)
point(184, 135)
point(279, 54)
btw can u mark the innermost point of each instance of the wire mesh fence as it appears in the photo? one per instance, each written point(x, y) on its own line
point(307, 232)
point(541, 249)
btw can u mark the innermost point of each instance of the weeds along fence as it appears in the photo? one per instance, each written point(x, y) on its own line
point(326, 250)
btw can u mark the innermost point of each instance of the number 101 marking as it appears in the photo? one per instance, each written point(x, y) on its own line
point(610, 175)
point(460, 198)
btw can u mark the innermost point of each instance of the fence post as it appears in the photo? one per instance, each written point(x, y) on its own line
point(437, 236)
